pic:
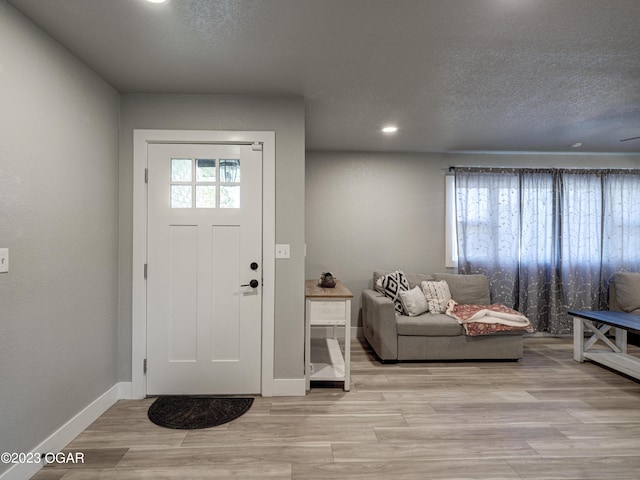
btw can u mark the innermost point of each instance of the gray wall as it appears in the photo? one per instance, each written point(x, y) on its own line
point(59, 219)
point(283, 115)
point(386, 210)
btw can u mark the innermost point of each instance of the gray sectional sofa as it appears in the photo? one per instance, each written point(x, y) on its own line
point(433, 336)
point(624, 296)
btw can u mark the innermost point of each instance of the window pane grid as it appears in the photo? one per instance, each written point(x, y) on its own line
point(205, 183)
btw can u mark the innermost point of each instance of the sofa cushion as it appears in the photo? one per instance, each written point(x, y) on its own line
point(391, 285)
point(437, 295)
point(414, 279)
point(627, 291)
point(467, 289)
point(428, 324)
point(414, 301)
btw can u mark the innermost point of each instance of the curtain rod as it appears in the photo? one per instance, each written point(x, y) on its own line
point(451, 169)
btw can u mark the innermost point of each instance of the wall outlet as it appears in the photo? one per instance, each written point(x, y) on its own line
point(4, 260)
point(283, 251)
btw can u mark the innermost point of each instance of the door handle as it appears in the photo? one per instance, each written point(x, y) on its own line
point(253, 284)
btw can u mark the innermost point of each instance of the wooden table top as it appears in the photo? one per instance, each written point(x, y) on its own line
point(313, 290)
point(617, 319)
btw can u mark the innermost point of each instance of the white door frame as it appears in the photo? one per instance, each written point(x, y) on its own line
point(141, 138)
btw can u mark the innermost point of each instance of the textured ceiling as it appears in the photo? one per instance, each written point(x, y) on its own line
point(454, 75)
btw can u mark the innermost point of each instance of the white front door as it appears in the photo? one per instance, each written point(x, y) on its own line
point(204, 277)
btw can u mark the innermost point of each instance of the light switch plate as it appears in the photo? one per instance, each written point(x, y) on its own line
point(283, 250)
point(4, 260)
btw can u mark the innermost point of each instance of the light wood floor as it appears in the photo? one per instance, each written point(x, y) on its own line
point(545, 417)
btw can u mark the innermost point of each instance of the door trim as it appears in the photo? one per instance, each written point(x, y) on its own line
point(141, 138)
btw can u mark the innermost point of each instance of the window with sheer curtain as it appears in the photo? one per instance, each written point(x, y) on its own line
point(548, 239)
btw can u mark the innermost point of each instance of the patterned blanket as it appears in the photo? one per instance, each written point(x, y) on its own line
point(488, 319)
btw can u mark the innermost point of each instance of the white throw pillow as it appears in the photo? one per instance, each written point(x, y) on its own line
point(414, 301)
point(437, 295)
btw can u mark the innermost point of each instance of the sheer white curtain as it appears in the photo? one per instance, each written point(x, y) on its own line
point(621, 226)
point(488, 227)
point(539, 289)
point(548, 239)
point(581, 238)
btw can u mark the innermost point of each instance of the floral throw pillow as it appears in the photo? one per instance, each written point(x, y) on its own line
point(391, 285)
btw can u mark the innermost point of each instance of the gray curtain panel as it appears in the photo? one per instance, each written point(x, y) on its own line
point(548, 239)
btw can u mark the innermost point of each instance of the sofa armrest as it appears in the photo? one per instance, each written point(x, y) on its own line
point(379, 324)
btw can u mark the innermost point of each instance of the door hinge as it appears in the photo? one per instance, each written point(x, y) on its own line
point(146, 175)
point(145, 270)
point(144, 366)
point(256, 147)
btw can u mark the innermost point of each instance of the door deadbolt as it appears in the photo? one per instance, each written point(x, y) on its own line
point(253, 266)
point(253, 284)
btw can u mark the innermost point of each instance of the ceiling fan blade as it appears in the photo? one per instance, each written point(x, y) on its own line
point(627, 139)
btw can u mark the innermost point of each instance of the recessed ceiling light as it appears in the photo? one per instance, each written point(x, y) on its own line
point(390, 129)
point(157, 1)
point(576, 144)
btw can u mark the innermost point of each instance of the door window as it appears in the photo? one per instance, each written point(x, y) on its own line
point(205, 183)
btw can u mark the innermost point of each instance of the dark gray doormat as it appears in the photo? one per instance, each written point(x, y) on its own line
point(193, 412)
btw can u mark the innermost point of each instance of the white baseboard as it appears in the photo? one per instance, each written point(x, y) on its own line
point(289, 387)
point(125, 391)
point(67, 432)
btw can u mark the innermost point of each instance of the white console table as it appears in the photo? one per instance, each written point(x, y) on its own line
point(327, 307)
